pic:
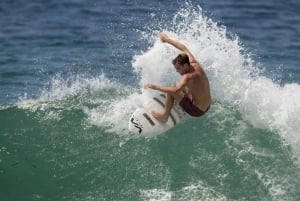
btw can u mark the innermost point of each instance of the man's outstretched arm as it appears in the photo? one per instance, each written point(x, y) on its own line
point(174, 89)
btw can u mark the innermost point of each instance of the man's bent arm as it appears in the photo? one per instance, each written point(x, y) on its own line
point(178, 45)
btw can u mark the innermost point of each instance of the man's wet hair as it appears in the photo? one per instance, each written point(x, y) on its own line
point(181, 59)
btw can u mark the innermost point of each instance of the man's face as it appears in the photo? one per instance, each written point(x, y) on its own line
point(181, 69)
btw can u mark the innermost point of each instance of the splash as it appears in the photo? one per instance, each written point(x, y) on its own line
point(103, 102)
point(236, 79)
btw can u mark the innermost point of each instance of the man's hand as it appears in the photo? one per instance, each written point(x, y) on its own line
point(163, 37)
point(149, 86)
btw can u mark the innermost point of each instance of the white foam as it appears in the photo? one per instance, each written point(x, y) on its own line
point(276, 190)
point(60, 88)
point(193, 192)
point(106, 103)
point(156, 195)
point(115, 116)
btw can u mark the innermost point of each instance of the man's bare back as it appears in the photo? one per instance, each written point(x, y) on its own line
point(200, 90)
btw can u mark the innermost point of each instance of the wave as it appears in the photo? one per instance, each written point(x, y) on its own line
point(247, 107)
point(104, 103)
point(236, 79)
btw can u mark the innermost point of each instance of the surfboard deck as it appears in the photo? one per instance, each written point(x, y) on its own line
point(144, 124)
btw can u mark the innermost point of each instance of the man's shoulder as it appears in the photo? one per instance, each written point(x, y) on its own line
point(194, 61)
point(195, 64)
point(191, 76)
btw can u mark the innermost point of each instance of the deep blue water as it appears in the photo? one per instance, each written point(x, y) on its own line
point(72, 71)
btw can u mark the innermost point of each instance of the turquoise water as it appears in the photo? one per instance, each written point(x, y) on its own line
point(72, 73)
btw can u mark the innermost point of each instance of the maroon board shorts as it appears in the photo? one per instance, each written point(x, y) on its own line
point(187, 104)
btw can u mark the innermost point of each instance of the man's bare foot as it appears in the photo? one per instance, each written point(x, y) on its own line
point(159, 116)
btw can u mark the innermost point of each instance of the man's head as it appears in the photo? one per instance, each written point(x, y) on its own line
point(181, 59)
point(181, 63)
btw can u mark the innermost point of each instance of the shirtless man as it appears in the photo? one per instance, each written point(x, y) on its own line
point(192, 91)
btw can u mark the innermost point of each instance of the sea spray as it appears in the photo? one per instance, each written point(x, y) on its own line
point(100, 99)
point(236, 79)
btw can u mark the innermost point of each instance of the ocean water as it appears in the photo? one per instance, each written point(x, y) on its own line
point(72, 71)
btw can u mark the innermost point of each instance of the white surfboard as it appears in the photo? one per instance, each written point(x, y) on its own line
point(143, 123)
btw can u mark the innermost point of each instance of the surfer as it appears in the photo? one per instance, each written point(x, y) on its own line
point(192, 91)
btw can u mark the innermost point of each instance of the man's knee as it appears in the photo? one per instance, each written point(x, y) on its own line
point(176, 95)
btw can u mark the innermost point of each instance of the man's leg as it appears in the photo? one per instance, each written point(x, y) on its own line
point(163, 116)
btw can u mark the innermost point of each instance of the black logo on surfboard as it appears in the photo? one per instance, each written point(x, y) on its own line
point(136, 124)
